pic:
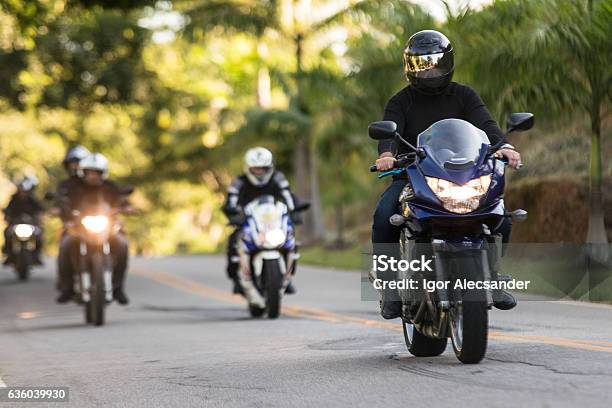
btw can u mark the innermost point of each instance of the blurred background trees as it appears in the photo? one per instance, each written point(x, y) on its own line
point(174, 92)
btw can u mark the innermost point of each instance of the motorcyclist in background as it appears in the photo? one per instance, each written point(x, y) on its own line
point(92, 185)
point(23, 202)
point(71, 164)
point(430, 97)
point(259, 178)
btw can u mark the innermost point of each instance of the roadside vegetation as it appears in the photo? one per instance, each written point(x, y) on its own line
point(175, 92)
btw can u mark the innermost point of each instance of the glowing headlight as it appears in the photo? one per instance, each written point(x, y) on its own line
point(274, 238)
point(95, 223)
point(460, 199)
point(24, 231)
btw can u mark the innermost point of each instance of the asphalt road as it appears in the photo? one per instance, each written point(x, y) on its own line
point(185, 341)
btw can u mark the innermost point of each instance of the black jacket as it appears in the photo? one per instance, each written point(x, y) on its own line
point(414, 112)
point(242, 192)
point(19, 206)
point(81, 196)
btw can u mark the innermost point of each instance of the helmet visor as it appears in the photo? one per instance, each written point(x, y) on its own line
point(428, 66)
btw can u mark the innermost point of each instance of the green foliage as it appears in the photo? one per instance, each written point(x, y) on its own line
point(174, 117)
point(548, 56)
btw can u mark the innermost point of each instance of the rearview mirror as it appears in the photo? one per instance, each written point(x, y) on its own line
point(519, 121)
point(382, 130)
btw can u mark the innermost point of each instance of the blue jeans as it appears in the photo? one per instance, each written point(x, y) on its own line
point(382, 231)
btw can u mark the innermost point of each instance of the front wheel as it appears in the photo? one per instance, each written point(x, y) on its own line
point(22, 265)
point(469, 327)
point(420, 345)
point(273, 285)
point(97, 301)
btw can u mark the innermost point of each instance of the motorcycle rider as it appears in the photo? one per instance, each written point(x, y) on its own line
point(429, 97)
point(91, 185)
point(23, 202)
point(71, 164)
point(259, 178)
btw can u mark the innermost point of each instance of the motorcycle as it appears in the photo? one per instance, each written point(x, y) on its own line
point(24, 234)
point(449, 211)
point(93, 265)
point(268, 253)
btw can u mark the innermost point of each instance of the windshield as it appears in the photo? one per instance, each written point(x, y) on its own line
point(453, 143)
point(266, 212)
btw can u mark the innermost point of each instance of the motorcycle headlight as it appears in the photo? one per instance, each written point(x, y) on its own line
point(95, 223)
point(274, 238)
point(24, 231)
point(460, 199)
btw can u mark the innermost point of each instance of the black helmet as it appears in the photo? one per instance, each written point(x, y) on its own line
point(428, 61)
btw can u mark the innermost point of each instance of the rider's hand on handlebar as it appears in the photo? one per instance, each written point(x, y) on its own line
point(513, 157)
point(386, 161)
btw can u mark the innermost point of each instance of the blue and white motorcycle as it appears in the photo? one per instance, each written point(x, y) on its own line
point(268, 254)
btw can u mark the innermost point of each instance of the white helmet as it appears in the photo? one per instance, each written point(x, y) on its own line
point(27, 183)
point(258, 157)
point(94, 161)
point(77, 153)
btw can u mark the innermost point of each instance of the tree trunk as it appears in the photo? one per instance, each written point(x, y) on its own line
point(596, 235)
point(305, 164)
point(318, 226)
point(263, 92)
point(340, 241)
point(300, 169)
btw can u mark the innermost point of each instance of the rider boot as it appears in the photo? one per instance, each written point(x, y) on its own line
point(232, 272)
point(503, 300)
point(292, 258)
point(390, 304)
point(6, 251)
point(65, 269)
point(290, 289)
point(252, 294)
point(119, 251)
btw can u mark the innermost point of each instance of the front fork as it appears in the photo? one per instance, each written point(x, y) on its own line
point(489, 263)
point(85, 275)
point(246, 274)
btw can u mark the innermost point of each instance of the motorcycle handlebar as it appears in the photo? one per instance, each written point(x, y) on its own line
point(403, 161)
point(400, 162)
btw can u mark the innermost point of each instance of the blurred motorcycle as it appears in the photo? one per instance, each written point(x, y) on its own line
point(94, 228)
point(24, 235)
point(268, 253)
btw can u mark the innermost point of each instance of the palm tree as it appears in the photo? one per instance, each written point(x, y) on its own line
point(303, 27)
point(551, 55)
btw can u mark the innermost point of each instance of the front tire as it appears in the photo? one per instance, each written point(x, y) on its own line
point(420, 345)
point(22, 265)
point(274, 283)
point(97, 302)
point(469, 328)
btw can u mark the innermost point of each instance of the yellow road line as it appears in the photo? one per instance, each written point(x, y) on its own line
point(191, 286)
